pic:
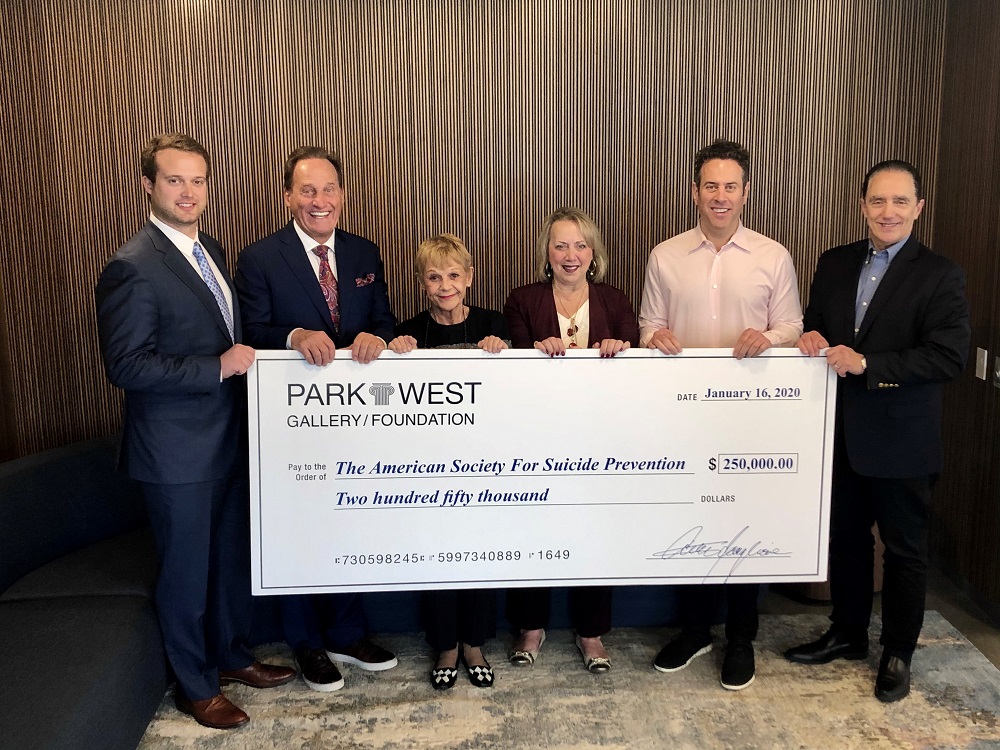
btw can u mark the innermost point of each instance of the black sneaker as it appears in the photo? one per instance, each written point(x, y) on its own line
point(365, 654)
point(738, 666)
point(681, 651)
point(318, 671)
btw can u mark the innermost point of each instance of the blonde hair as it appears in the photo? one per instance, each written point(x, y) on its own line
point(438, 250)
point(590, 233)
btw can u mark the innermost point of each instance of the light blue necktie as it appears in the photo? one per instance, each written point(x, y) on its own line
point(213, 285)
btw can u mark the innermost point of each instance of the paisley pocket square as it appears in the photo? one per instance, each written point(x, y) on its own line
point(364, 280)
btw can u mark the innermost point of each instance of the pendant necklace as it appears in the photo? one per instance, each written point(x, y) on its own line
point(573, 328)
point(427, 330)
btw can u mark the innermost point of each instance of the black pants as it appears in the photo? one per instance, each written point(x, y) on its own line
point(466, 616)
point(699, 605)
point(332, 621)
point(900, 508)
point(589, 609)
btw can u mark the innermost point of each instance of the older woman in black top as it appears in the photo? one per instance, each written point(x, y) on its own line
point(569, 307)
point(444, 269)
point(453, 619)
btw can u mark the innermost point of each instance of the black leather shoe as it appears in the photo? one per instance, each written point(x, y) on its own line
point(830, 646)
point(893, 681)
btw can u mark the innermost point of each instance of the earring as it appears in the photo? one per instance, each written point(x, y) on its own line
point(548, 270)
point(592, 270)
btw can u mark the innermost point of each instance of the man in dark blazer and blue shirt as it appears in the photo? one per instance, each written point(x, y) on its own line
point(314, 288)
point(170, 332)
point(894, 323)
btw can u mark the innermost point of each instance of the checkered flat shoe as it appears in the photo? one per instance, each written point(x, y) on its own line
point(480, 676)
point(444, 678)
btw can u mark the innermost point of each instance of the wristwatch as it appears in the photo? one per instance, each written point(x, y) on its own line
point(864, 363)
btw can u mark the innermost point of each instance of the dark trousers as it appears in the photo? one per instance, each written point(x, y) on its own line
point(700, 604)
point(331, 621)
point(900, 508)
point(589, 609)
point(203, 602)
point(466, 616)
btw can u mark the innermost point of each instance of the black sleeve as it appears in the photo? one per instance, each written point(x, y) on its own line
point(498, 326)
point(415, 326)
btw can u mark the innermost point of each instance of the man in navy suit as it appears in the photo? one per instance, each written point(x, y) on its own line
point(313, 288)
point(894, 323)
point(170, 333)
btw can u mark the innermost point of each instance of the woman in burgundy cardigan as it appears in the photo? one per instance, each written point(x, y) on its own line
point(568, 308)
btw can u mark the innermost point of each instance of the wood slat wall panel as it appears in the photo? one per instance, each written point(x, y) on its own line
point(476, 118)
point(966, 513)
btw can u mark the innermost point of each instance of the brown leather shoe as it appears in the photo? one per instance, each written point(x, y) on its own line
point(215, 713)
point(258, 675)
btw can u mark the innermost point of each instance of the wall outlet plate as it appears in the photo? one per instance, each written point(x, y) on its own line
point(981, 358)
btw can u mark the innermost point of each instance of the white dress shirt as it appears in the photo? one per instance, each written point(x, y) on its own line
point(186, 245)
point(310, 244)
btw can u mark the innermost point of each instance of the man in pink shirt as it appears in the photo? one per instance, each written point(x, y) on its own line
point(719, 285)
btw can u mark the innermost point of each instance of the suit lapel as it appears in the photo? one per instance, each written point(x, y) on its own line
point(295, 256)
point(898, 270)
point(179, 265)
point(845, 294)
point(346, 275)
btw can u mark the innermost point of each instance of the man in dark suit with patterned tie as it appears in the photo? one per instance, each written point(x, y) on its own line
point(894, 323)
point(170, 333)
point(314, 288)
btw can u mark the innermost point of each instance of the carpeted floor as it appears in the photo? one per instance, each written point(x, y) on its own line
point(955, 701)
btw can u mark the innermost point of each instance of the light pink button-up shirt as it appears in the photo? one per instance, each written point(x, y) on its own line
point(709, 298)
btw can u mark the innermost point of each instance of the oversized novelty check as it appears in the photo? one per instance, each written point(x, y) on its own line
point(459, 469)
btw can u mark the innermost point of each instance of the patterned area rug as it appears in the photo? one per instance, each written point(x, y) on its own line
point(955, 701)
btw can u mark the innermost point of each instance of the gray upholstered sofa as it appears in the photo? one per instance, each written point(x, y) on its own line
point(81, 656)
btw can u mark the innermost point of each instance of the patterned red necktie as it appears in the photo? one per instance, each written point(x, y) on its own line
point(328, 283)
